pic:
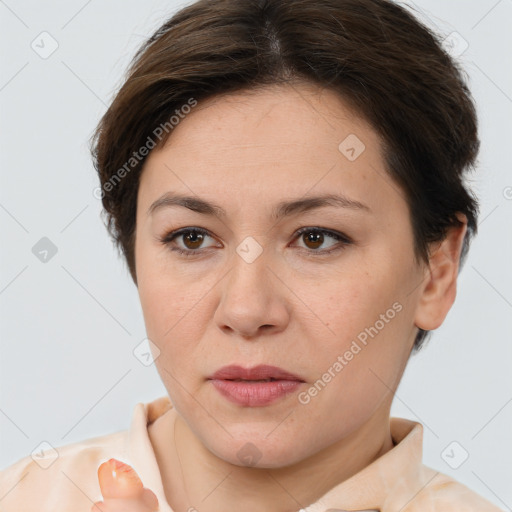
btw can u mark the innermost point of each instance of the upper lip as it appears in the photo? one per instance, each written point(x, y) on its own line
point(260, 372)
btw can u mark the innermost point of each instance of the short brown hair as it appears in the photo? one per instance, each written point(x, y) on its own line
point(380, 59)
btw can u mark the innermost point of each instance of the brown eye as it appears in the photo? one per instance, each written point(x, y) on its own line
point(314, 238)
point(192, 240)
point(186, 241)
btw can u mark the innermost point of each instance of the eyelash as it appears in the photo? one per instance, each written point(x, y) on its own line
point(167, 239)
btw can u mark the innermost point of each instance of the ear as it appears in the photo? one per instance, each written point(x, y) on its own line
point(439, 287)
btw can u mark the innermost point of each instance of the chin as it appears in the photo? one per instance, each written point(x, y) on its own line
point(257, 453)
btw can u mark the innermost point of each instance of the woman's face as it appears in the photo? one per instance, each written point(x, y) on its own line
point(251, 290)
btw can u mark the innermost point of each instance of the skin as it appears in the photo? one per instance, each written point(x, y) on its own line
point(122, 490)
point(289, 307)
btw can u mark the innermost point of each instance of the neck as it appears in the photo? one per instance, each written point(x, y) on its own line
point(196, 479)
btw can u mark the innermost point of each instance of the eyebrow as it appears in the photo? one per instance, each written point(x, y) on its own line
point(282, 209)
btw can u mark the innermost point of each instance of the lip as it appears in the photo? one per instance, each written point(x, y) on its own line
point(250, 387)
point(260, 372)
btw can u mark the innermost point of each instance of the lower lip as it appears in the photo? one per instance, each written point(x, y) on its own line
point(255, 394)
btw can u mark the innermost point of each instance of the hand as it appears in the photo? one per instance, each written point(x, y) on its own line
point(122, 490)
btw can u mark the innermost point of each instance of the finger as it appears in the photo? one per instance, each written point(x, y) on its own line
point(119, 480)
point(122, 505)
point(150, 499)
point(98, 506)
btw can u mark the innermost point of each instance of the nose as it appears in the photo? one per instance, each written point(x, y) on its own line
point(253, 300)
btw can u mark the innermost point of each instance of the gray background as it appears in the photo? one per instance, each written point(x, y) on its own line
point(69, 326)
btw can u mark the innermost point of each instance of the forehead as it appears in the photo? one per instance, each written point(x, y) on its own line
point(313, 116)
point(261, 145)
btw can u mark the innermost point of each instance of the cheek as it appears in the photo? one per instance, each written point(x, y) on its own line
point(174, 320)
point(355, 375)
point(353, 300)
point(167, 295)
point(369, 317)
point(176, 315)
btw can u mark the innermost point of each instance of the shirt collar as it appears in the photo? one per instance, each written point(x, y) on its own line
point(140, 450)
point(395, 477)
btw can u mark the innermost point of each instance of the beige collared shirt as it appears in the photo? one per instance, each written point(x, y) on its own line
point(66, 479)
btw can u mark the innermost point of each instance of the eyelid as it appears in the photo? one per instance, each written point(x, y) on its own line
point(332, 233)
point(342, 239)
point(170, 236)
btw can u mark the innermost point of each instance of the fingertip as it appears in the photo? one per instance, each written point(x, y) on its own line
point(119, 480)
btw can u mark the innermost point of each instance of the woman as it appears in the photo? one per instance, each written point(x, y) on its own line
point(285, 179)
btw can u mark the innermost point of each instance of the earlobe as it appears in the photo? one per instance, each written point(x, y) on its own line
point(440, 282)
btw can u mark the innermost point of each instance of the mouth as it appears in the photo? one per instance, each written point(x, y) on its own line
point(256, 380)
point(254, 387)
point(260, 373)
